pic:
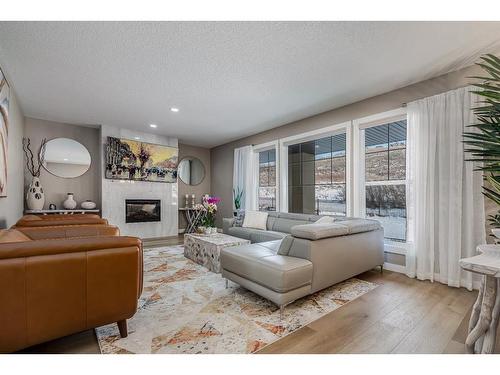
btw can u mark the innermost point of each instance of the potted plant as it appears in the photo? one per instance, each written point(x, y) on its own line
point(484, 140)
point(237, 196)
point(209, 204)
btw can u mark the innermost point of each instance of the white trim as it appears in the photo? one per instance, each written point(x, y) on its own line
point(395, 247)
point(379, 118)
point(314, 134)
point(394, 267)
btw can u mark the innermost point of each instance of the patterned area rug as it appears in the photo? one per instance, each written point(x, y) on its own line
point(185, 308)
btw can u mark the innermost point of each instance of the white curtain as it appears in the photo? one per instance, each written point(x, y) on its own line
point(245, 177)
point(446, 218)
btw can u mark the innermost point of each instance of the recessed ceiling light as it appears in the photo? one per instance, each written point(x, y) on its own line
point(153, 125)
point(173, 109)
point(65, 159)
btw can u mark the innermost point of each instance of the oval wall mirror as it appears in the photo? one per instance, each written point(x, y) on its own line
point(66, 158)
point(191, 170)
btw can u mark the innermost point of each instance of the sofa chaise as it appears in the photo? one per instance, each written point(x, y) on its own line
point(296, 256)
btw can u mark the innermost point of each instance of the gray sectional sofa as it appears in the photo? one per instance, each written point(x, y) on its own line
point(295, 256)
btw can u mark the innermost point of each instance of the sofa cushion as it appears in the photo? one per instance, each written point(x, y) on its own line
point(241, 232)
point(12, 235)
point(337, 228)
point(317, 231)
point(285, 225)
point(255, 219)
point(265, 235)
point(260, 264)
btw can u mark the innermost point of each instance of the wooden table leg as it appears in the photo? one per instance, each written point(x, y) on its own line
point(483, 321)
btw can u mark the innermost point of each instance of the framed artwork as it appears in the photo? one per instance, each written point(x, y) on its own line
point(4, 132)
point(140, 161)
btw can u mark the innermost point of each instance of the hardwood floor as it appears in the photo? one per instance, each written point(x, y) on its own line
point(402, 315)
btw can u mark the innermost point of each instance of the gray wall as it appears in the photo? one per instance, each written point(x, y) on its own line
point(84, 187)
point(11, 207)
point(203, 188)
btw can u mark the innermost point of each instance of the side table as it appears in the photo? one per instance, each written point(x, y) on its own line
point(193, 218)
point(486, 311)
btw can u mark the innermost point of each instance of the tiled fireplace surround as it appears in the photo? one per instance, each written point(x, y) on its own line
point(115, 192)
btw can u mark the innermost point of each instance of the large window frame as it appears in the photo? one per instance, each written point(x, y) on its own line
point(355, 164)
point(359, 182)
point(284, 143)
point(257, 149)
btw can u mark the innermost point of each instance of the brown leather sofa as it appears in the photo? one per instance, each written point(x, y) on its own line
point(60, 219)
point(52, 287)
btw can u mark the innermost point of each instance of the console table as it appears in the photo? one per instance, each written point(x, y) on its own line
point(193, 217)
point(486, 311)
point(68, 212)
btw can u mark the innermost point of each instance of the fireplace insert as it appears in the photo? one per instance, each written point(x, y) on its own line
point(142, 210)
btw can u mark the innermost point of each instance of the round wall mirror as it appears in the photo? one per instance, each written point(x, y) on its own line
point(191, 171)
point(66, 158)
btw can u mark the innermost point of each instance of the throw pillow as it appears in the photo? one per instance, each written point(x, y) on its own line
point(238, 220)
point(255, 219)
point(324, 220)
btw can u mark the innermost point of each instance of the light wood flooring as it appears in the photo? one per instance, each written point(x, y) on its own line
point(402, 315)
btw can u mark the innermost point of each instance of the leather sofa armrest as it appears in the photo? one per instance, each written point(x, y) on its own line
point(65, 246)
point(69, 231)
point(227, 222)
point(338, 228)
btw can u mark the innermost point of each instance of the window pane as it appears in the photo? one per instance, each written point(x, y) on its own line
point(294, 175)
point(330, 199)
point(387, 204)
point(308, 151)
point(323, 148)
point(294, 154)
point(323, 171)
point(308, 172)
point(397, 134)
point(397, 164)
point(267, 199)
point(376, 166)
point(272, 174)
point(377, 137)
point(295, 199)
point(263, 176)
point(338, 171)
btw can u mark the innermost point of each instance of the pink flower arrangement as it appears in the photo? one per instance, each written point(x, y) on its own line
point(210, 207)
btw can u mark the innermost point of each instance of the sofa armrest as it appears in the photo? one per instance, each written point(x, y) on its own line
point(65, 246)
point(227, 222)
point(69, 231)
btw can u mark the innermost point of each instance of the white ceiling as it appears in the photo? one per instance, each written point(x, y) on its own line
point(229, 79)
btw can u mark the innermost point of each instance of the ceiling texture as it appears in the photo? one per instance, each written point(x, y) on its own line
point(228, 79)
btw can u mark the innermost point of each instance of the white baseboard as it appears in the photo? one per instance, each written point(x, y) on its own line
point(394, 267)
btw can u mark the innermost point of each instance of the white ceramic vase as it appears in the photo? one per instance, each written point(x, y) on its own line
point(88, 205)
point(69, 203)
point(35, 197)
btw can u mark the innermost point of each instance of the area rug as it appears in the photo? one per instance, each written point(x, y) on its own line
point(185, 308)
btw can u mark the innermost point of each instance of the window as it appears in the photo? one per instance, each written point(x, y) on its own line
point(267, 180)
point(317, 176)
point(385, 177)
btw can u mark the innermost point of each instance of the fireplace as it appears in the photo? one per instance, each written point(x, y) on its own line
point(142, 210)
